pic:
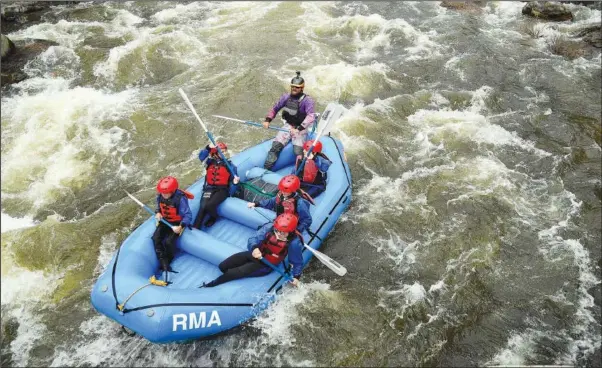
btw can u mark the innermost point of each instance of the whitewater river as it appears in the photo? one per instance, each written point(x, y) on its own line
point(473, 237)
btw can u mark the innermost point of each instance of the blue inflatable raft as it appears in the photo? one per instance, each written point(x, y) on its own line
point(181, 310)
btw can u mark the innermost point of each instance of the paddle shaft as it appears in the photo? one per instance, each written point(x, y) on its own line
point(284, 274)
point(189, 104)
point(153, 213)
point(146, 208)
point(250, 123)
point(316, 140)
point(323, 258)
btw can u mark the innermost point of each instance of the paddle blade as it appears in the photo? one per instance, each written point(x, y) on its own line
point(189, 104)
point(335, 266)
point(134, 198)
point(332, 113)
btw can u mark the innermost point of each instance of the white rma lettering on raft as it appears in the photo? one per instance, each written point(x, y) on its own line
point(195, 320)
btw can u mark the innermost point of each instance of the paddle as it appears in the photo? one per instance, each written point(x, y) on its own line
point(326, 124)
point(284, 274)
point(249, 123)
point(148, 209)
point(189, 104)
point(335, 266)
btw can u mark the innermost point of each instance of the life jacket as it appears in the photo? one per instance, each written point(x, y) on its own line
point(217, 174)
point(169, 206)
point(286, 205)
point(274, 250)
point(310, 174)
point(291, 112)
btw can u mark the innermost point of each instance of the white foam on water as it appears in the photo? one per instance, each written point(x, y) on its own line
point(472, 177)
point(23, 292)
point(583, 337)
point(65, 33)
point(501, 13)
point(414, 293)
point(184, 47)
point(548, 33)
point(331, 81)
point(455, 64)
point(520, 347)
point(53, 137)
point(439, 285)
point(381, 192)
point(72, 33)
point(276, 322)
point(446, 124)
point(402, 253)
point(123, 21)
point(180, 13)
point(56, 61)
point(369, 33)
point(103, 343)
point(198, 24)
point(586, 328)
point(108, 246)
point(221, 14)
point(507, 20)
point(8, 223)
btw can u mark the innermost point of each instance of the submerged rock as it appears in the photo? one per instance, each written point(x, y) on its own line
point(19, 14)
point(7, 47)
point(592, 35)
point(24, 50)
point(548, 10)
point(467, 6)
point(563, 46)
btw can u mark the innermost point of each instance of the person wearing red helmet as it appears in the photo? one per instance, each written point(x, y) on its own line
point(219, 183)
point(273, 242)
point(298, 114)
point(288, 200)
point(172, 206)
point(313, 174)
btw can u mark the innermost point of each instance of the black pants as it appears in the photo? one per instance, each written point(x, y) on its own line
point(165, 251)
point(313, 190)
point(209, 202)
point(240, 265)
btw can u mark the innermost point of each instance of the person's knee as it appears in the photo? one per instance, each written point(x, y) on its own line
point(298, 150)
point(156, 239)
point(273, 154)
point(276, 147)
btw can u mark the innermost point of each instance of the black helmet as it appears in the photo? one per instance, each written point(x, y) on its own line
point(298, 81)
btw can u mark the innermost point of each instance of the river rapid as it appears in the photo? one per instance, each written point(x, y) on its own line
point(473, 237)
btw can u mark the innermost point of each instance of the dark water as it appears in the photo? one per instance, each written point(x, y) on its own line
point(473, 237)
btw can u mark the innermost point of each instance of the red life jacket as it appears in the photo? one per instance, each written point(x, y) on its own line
point(310, 170)
point(288, 205)
point(168, 207)
point(218, 174)
point(272, 249)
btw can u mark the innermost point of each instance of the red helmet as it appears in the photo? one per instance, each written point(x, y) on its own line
point(317, 148)
point(286, 222)
point(167, 185)
point(222, 146)
point(289, 183)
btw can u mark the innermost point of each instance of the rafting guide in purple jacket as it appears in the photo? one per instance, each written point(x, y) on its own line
point(298, 113)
